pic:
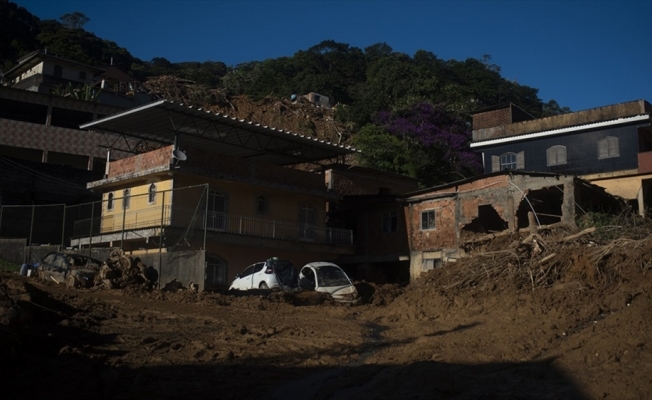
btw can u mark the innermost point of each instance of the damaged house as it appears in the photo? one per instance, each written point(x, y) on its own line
point(610, 146)
point(442, 220)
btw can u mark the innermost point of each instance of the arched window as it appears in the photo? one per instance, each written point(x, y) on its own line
point(556, 155)
point(152, 194)
point(109, 201)
point(608, 147)
point(126, 199)
point(508, 161)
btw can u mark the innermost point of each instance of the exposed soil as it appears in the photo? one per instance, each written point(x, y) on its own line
point(509, 323)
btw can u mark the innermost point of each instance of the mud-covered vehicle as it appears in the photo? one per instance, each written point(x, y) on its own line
point(75, 270)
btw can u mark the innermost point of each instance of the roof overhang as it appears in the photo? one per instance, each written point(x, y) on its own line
point(164, 122)
point(619, 121)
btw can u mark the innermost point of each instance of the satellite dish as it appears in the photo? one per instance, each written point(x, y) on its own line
point(179, 155)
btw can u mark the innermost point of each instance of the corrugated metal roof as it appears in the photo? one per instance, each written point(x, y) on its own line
point(161, 121)
point(551, 132)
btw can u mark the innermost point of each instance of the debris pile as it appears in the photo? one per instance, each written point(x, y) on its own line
point(121, 270)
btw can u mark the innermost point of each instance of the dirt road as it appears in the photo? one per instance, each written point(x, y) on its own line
point(470, 330)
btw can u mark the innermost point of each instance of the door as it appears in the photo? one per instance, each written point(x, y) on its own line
point(216, 211)
point(307, 223)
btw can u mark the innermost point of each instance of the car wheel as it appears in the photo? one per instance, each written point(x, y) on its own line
point(71, 282)
point(264, 286)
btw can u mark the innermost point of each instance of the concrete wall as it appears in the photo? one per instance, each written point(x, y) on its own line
point(593, 115)
point(13, 250)
point(361, 181)
point(458, 206)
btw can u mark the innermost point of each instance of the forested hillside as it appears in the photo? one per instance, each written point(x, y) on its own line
point(410, 114)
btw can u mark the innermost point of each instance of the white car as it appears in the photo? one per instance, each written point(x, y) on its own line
point(329, 278)
point(270, 274)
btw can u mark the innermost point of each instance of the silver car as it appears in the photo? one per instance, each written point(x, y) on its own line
point(329, 278)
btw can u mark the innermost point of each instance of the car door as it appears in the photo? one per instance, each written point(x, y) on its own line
point(258, 275)
point(243, 281)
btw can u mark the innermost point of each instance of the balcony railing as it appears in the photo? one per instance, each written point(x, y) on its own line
point(214, 222)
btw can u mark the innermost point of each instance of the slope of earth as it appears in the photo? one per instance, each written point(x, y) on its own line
point(547, 319)
point(300, 117)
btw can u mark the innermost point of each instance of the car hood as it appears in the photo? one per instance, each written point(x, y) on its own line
point(345, 293)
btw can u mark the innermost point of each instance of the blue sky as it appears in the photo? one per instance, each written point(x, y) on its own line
point(584, 54)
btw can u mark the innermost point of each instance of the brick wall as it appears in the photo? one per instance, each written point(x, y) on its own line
point(141, 162)
point(492, 118)
point(358, 181)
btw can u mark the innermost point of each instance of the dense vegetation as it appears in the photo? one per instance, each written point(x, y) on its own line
point(384, 97)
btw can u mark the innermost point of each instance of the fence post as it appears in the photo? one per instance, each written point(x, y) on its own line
point(124, 216)
point(205, 214)
point(90, 234)
point(31, 227)
point(63, 228)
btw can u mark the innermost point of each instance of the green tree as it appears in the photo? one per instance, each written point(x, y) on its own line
point(75, 20)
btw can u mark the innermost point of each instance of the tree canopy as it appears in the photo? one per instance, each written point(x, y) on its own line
point(409, 114)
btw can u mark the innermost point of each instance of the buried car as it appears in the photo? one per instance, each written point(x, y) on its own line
point(329, 278)
point(271, 274)
point(75, 270)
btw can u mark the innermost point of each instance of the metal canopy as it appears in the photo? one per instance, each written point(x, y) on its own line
point(164, 122)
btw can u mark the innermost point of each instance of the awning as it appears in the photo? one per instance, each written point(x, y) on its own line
point(164, 122)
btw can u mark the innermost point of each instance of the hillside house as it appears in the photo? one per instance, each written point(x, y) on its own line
point(443, 222)
point(214, 184)
point(609, 146)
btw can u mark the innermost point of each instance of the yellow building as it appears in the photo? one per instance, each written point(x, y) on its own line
point(228, 196)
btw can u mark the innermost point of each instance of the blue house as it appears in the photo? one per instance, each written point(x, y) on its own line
point(609, 146)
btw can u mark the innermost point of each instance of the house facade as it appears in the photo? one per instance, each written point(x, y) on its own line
point(609, 146)
point(228, 193)
point(370, 207)
point(444, 222)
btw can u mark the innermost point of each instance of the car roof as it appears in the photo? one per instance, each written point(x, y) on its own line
point(319, 264)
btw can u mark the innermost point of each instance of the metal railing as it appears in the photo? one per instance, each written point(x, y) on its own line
point(168, 216)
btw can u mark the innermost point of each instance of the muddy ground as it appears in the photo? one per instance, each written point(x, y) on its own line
point(526, 320)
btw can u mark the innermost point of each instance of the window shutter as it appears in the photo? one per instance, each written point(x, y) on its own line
point(495, 163)
point(603, 148)
point(614, 151)
point(561, 155)
point(520, 160)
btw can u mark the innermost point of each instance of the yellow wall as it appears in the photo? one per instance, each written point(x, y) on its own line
point(241, 200)
point(140, 213)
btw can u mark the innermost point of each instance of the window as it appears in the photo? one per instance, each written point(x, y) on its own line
point(508, 161)
point(390, 222)
point(556, 155)
point(151, 198)
point(431, 263)
point(427, 220)
point(82, 75)
point(608, 147)
point(262, 206)
point(58, 71)
point(126, 199)
point(109, 201)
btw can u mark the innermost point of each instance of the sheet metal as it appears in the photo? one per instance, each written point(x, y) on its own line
point(163, 121)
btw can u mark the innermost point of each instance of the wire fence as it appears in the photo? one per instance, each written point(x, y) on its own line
point(174, 219)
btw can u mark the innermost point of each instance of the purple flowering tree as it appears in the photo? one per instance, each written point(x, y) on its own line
point(436, 142)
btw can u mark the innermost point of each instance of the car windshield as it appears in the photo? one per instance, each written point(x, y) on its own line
point(331, 275)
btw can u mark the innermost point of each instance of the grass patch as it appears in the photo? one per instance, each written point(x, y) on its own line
point(9, 266)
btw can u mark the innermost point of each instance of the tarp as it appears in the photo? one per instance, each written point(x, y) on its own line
point(286, 274)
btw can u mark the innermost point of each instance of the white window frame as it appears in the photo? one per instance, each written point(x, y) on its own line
point(432, 222)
